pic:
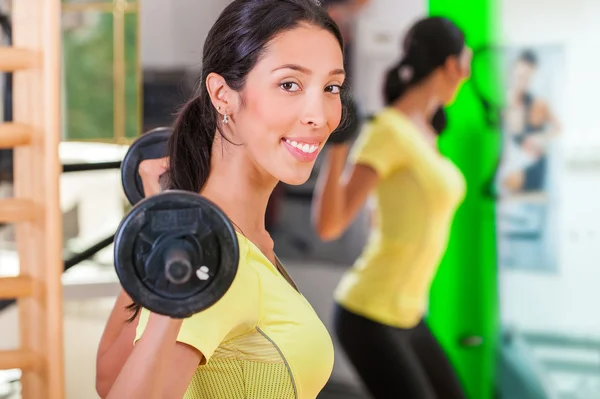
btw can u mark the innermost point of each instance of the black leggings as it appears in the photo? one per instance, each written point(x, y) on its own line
point(394, 362)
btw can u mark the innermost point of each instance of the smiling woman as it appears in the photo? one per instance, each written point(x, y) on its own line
point(303, 73)
point(304, 149)
point(267, 101)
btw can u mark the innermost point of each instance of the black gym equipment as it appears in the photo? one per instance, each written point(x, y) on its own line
point(150, 145)
point(89, 166)
point(74, 260)
point(6, 155)
point(176, 253)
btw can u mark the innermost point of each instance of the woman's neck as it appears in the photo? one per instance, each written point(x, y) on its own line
point(237, 186)
point(419, 103)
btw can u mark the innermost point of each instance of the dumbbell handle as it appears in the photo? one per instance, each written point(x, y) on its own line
point(178, 267)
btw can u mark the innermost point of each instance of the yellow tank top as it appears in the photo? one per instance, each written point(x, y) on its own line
point(261, 340)
point(415, 201)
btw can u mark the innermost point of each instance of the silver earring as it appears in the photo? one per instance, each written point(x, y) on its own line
point(225, 119)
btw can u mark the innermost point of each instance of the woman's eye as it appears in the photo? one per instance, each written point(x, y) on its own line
point(334, 89)
point(290, 86)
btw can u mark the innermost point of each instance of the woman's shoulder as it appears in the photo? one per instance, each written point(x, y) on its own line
point(392, 117)
point(245, 270)
point(394, 124)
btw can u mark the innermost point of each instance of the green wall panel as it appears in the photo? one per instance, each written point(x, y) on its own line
point(464, 293)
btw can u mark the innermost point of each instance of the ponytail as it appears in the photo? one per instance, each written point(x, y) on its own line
point(398, 80)
point(427, 45)
point(190, 144)
point(412, 69)
point(394, 86)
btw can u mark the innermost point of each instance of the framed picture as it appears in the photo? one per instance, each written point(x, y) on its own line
point(526, 180)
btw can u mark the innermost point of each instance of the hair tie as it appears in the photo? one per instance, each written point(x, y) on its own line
point(405, 73)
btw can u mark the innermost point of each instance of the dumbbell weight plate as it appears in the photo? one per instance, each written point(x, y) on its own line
point(150, 145)
point(176, 222)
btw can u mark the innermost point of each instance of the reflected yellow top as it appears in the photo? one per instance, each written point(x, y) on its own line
point(415, 201)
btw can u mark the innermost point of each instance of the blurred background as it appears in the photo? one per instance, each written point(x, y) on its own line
point(513, 303)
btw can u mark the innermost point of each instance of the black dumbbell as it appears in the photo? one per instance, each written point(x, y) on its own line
point(176, 253)
point(150, 145)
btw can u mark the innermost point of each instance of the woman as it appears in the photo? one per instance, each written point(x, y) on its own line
point(381, 301)
point(268, 99)
point(530, 126)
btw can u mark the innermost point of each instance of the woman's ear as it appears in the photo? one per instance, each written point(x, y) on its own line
point(452, 68)
point(223, 98)
point(466, 59)
point(458, 67)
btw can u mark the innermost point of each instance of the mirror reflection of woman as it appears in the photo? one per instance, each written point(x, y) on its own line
point(529, 127)
point(381, 301)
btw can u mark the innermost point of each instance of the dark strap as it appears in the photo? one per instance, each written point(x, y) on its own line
point(284, 273)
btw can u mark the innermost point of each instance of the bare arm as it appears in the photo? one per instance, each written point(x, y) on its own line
point(158, 367)
point(542, 115)
point(338, 199)
point(554, 122)
point(116, 343)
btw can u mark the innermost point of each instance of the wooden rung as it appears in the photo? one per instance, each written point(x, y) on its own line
point(15, 287)
point(16, 210)
point(14, 135)
point(14, 59)
point(19, 359)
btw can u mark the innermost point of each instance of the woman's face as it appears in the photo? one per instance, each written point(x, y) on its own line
point(522, 74)
point(291, 103)
point(457, 72)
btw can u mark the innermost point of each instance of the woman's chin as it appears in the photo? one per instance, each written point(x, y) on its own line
point(295, 179)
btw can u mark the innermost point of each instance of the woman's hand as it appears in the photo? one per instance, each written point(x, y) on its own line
point(150, 171)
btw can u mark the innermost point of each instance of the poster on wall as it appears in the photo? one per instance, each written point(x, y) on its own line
point(527, 181)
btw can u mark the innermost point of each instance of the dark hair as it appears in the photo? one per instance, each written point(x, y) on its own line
point(234, 45)
point(528, 57)
point(426, 46)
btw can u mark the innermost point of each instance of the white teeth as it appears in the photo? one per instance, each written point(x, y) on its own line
point(307, 148)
